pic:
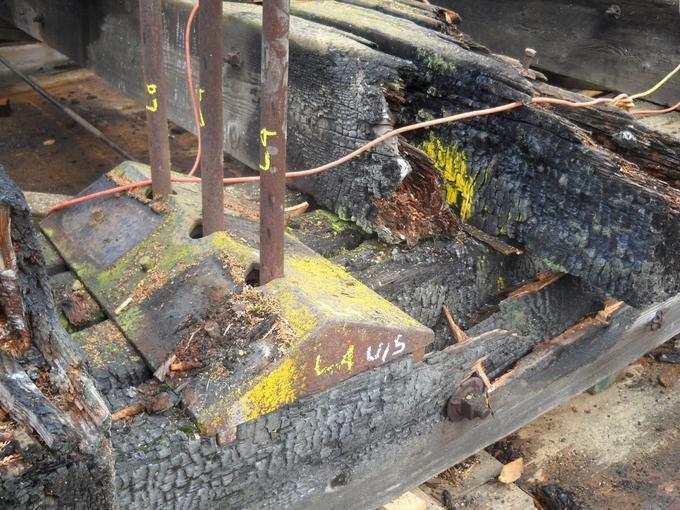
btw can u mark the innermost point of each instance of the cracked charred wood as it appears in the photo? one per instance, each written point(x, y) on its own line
point(66, 363)
point(588, 192)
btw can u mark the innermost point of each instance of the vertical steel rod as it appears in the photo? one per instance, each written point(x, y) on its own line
point(151, 21)
point(273, 134)
point(211, 50)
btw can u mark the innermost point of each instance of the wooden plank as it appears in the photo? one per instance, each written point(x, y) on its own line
point(558, 371)
point(625, 46)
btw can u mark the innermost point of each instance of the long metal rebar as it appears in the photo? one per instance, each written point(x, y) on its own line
point(211, 50)
point(77, 118)
point(151, 24)
point(273, 135)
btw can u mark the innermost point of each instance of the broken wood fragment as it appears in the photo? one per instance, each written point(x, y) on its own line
point(186, 365)
point(128, 412)
point(14, 334)
point(27, 405)
point(494, 242)
point(458, 334)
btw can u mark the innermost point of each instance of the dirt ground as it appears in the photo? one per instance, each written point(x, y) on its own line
point(617, 449)
point(44, 150)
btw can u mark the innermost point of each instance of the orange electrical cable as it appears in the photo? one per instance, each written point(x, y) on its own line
point(656, 112)
point(362, 149)
point(190, 82)
point(622, 100)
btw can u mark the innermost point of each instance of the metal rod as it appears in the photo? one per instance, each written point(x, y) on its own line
point(151, 21)
point(273, 134)
point(211, 50)
point(77, 118)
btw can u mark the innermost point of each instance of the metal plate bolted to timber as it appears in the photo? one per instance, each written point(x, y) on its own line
point(161, 286)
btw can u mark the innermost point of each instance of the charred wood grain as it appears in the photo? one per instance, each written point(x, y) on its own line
point(87, 410)
point(595, 205)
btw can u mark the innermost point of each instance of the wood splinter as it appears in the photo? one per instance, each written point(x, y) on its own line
point(458, 334)
point(16, 338)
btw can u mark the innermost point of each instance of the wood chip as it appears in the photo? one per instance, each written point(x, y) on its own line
point(123, 306)
point(512, 471)
point(128, 411)
point(407, 501)
point(296, 210)
point(185, 366)
point(458, 334)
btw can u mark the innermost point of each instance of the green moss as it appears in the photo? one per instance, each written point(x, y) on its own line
point(129, 320)
point(554, 266)
point(336, 223)
point(435, 62)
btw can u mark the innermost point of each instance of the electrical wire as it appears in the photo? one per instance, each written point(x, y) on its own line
point(622, 100)
point(190, 82)
point(657, 112)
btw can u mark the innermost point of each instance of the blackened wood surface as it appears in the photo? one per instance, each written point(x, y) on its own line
point(596, 203)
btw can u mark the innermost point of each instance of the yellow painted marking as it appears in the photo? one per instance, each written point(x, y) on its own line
point(347, 362)
point(267, 162)
point(264, 134)
point(459, 185)
point(152, 89)
point(201, 120)
point(154, 105)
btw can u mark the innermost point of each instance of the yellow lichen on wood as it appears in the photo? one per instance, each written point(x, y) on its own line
point(459, 185)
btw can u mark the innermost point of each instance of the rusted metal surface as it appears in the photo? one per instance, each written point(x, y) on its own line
point(273, 134)
point(211, 51)
point(100, 231)
point(153, 59)
point(468, 401)
point(159, 285)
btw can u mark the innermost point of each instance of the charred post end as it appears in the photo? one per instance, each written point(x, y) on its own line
point(273, 134)
point(151, 21)
point(211, 42)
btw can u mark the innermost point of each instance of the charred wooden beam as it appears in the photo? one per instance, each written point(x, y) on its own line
point(14, 334)
point(594, 206)
point(85, 409)
point(374, 436)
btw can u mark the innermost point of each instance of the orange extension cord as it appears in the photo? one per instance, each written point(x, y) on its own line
point(622, 100)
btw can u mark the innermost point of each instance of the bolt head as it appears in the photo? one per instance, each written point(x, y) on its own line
point(468, 401)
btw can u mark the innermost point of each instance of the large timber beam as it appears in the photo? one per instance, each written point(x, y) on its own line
point(376, 435)
point(626, 46)
point(600, 202)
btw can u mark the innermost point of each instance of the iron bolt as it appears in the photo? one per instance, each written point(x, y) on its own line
point(657, 321)
point(468, 401)
point(233, 59)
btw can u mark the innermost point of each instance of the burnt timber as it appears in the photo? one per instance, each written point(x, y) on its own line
point(595, 193)
point(332, 450)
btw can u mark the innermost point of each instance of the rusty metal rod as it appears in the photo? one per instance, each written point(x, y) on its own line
point(76, 118)
point(211, 50)
point(273, 135)
point(151, 21)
